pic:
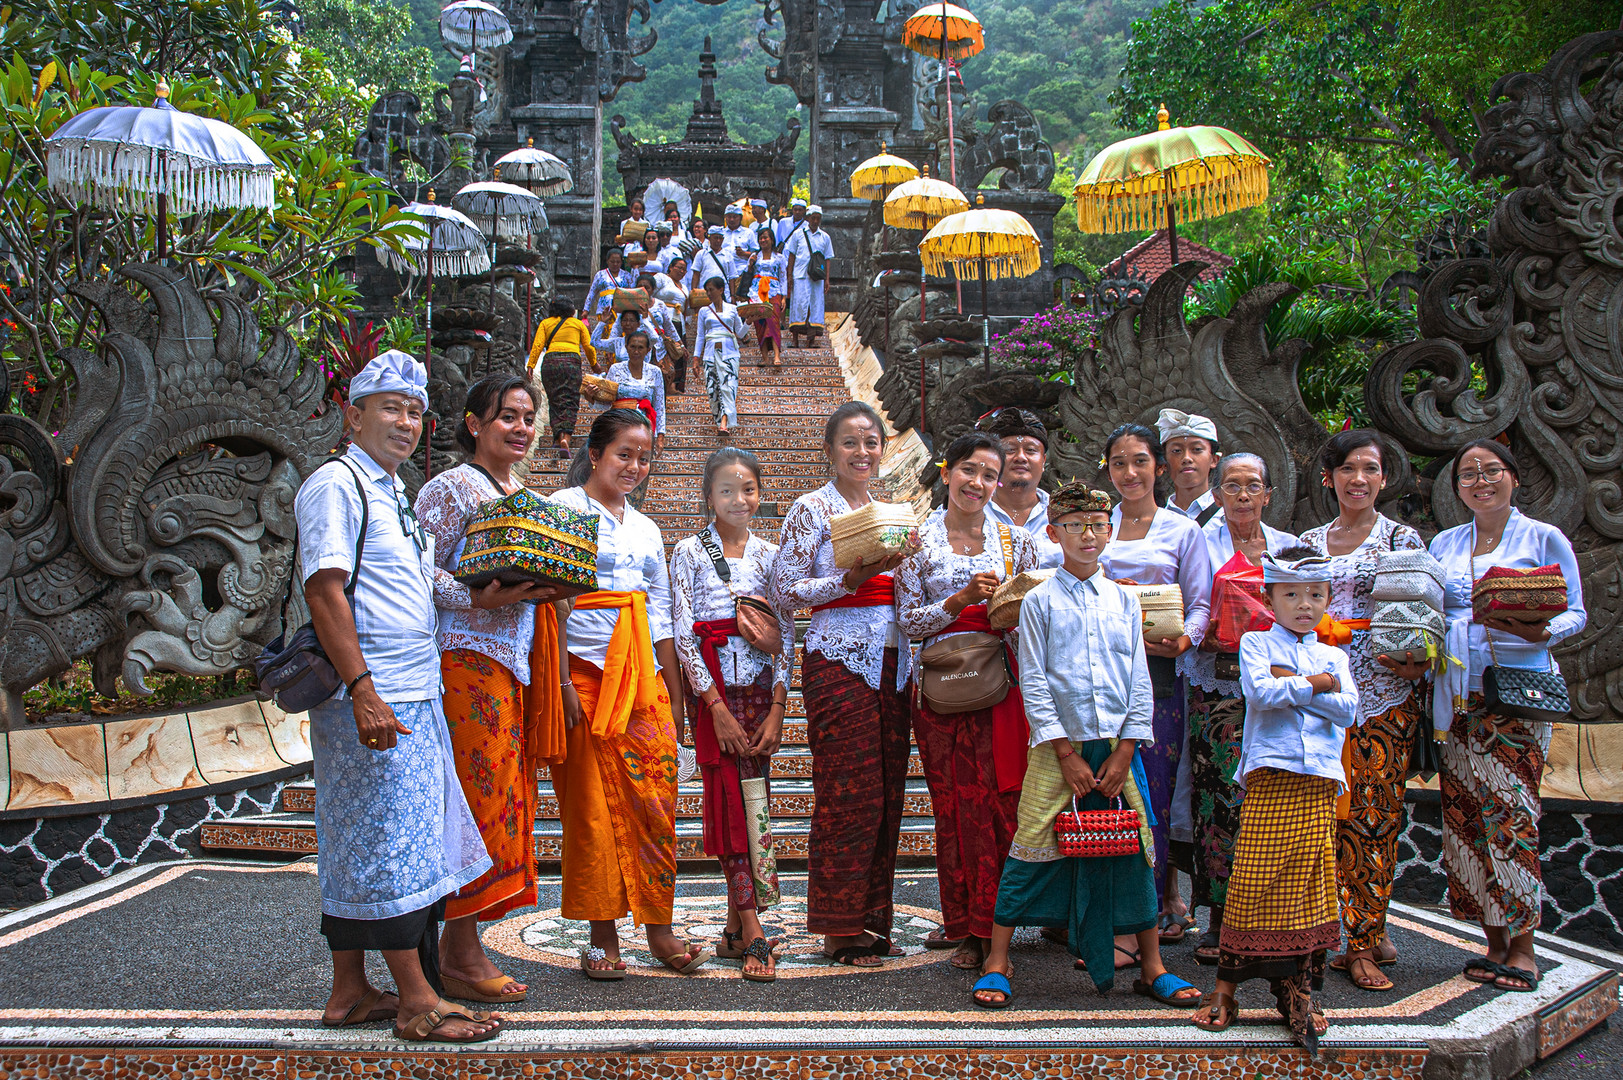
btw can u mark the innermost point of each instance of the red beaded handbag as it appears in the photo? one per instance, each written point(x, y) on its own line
point(1090, 834)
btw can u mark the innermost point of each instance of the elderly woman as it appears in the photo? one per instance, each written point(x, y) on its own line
point(1491, 763)
point(1216, 709)
point(1354, 467)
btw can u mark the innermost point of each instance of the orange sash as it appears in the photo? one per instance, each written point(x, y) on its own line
point(630, 679)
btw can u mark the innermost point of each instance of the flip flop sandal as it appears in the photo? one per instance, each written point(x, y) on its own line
point(1216, 1004)
point(969, 961)
point(761, 951)
point(938, 939)
point(1162, 989)
point(485, 991)
point(1209, 952)
point(1489, 971)
point(1183, 923)
point(1373, 988)
point(365, 1011)
point(1507, 972)
point(726, 950)
point(1340, 962)
point(992, 982)
point(850, 954)
point(686, 963)
point(421, 1027)
point(592, 953)
point(883, 947)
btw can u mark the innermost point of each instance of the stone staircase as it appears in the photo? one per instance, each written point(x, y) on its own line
point(781, 414)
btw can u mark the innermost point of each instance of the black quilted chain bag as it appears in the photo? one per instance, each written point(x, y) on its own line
point(1524, 693)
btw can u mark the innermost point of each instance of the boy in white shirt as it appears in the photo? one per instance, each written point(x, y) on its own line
point(1281, 918)
point(1088, 699)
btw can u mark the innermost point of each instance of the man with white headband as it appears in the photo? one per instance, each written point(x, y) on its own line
point(1281, 918)
point(394, 827)
point(759, 219)
point(713, 261)
point(740, 239)
point(785, 227)
point(1189, 441)
point(808, 253)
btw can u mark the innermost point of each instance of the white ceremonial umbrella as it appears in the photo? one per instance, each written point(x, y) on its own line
point(467, 25)
point(145, 159)
point(509, 211)
point(535, 170)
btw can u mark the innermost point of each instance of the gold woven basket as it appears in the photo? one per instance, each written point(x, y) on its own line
point(1003, 610)
point(871, 533)
point(1163, 610)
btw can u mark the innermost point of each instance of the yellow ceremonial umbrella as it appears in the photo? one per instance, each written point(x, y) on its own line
point(921, 202)
point(982, 244)
point(874, 178)
point(948, 33)
point(1149, 181)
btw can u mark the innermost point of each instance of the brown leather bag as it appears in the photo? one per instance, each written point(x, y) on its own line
point(966, 672)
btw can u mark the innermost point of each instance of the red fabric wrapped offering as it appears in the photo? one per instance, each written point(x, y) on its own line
point(1237, 605)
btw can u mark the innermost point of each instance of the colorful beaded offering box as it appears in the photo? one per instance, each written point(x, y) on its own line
point(1532, 596)
point(527, 538)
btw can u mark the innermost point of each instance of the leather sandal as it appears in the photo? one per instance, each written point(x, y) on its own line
point(485, 991)
point(366, 1010)
point(1351, 971)
point(421, 1028)
point(1209, 950)
point(760, 950)
point(1211, 1006)
point(938, 939)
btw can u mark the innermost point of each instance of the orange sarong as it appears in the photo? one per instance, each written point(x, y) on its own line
point(501, 733)
point(617, 784)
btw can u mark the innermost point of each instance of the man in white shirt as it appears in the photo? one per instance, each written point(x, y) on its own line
point(1020, 500)
point(783, 228)
point(759, 220)
point(394, 827)
point(809, 252)
point(1189, 442)
point(713, 261)
point(1085, 684)
point(740, 241)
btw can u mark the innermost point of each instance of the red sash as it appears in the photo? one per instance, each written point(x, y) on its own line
point(720, 770)
point(643, 405)
point(877, 591)
point(1011, 735)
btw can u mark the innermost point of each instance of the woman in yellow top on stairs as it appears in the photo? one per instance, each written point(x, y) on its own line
point(562, 343)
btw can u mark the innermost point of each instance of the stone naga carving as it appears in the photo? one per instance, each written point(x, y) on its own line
point(1527, 342)
point(156, 530)
point(1012, 141)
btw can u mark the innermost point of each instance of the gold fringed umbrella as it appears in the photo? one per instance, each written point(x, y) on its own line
point(1150, 181)
point(875, 178)
point(921, 202)
point(981, 245)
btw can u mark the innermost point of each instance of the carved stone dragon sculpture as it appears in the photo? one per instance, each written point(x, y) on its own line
point(1528, 342)
point(156, 530)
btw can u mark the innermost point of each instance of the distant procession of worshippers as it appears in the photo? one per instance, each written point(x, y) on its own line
point(1107, 689)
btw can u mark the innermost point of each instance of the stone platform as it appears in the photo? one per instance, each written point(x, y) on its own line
point(215, 968)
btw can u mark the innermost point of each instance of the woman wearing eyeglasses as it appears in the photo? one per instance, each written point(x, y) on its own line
point(499, 667)
point(1491, 764)
point(1355, 468)
point(1216, 709)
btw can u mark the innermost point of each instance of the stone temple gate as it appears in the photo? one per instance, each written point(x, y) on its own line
point(843, 59)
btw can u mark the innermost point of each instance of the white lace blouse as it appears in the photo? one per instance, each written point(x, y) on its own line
point(804, 575)
point(445, 505)
point(1352, 579)
point(651, 386)
point(929, 578)
point(699, 595)
point(630, 558)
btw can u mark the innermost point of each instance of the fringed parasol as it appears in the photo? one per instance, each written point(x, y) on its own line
point(664, 190)
point(494, 199)
point(452, 244)
point(537, 171)
point(874, 178)
point(943, 32)
point(1150, 181)
point(921, 202)
point(467, 25)
point(151, 159)
point(982, 245)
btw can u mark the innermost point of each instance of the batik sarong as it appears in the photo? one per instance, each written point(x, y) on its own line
point(1216, 725)
point(1367, 841)
point(560, 378)
point(1491, 767)
point(859, 744)
point(721, 384)
point(1161, 770)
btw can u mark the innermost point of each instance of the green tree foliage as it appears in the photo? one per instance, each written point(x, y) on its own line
point(227, 59)
point(372, 44)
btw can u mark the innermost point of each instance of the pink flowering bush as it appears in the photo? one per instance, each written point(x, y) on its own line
point(1048, 343)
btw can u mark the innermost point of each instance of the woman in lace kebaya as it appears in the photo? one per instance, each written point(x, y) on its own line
point(974, 789)
point(1354, 467)
point(499, 661)
point(853, 679)
point(735, 648)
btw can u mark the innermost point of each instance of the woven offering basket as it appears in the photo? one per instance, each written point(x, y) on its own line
point(1408, 575)
point(697, 299)
point(1003, 610)
point(871, 533)
point(1087, 834)
point(630, 299)
point(598, 389)
point(633, 233)
point(1163, 610)
point(1532, 596)
point(754, 312)
point(525, 537)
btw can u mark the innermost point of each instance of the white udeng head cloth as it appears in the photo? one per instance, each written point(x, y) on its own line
point(391, 372)
point(1299, 572)
point(1175, 423)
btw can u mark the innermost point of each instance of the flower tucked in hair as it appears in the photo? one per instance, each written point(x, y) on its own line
point(1077, 498)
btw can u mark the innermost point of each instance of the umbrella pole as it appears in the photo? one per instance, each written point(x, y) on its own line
point(986, 323)
point(885, 285)
point(428, 347)
point(492, 294)
point(163, 205)
point(1172, 222)
point(924, 285)
point(952, 143)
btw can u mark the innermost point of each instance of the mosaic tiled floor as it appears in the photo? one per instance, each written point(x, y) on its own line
point(194, 958)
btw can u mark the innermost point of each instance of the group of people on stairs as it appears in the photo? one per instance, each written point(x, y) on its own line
point(1232, 762)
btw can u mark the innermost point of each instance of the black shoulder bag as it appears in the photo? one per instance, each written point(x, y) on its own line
point(295, 671)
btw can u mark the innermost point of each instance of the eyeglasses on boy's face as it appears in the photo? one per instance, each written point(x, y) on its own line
point(1078, 528)
point(1488, 474)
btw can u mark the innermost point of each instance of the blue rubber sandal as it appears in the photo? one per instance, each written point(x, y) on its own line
point(996, 982)
point(1165, 985)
